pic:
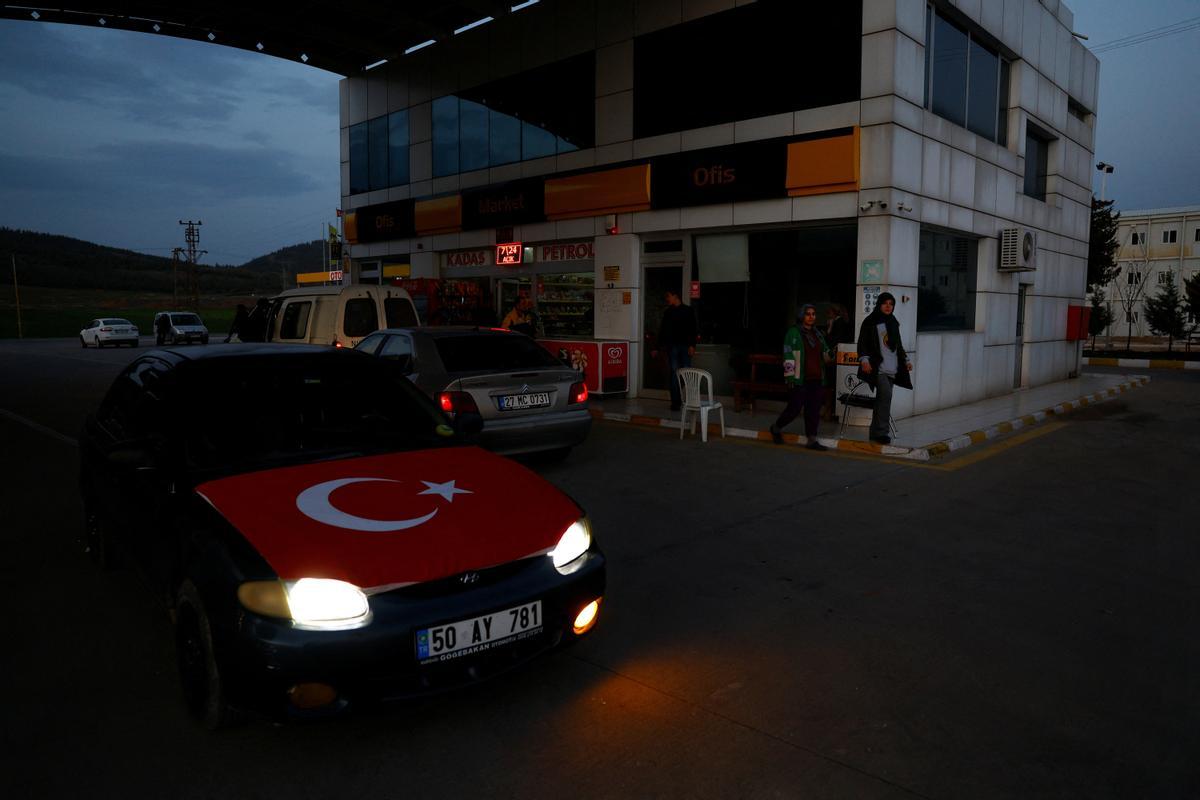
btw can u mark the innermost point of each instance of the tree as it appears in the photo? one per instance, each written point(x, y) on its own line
point(1191, 288)
point(1102, 267)
point(1101, 317)
point(1164, 311)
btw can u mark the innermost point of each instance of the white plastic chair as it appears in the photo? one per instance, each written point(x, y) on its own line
point(691, 388)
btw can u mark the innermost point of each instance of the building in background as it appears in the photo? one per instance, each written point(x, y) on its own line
point(752, 156)
point(1157, 245)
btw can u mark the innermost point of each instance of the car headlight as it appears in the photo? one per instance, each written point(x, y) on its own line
point(574, 542)
point(311, 603)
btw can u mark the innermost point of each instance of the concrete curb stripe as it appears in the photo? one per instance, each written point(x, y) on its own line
point(1141, 363)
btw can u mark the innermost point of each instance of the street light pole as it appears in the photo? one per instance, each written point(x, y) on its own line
point(17, 294)
point(1105, 171)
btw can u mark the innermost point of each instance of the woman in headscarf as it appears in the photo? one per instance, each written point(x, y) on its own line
point(882, 363)
point(805, 354)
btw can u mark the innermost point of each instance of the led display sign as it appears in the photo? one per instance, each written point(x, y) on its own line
point(509, 254)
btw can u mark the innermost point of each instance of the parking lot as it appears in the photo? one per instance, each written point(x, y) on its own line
point(779, 623)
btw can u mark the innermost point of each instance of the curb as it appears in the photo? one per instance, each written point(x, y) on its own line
point(871, 448)
point(1140, 363)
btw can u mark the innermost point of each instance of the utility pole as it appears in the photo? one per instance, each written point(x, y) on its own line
point(17, 292)
point(176, 257)
point(192, 237)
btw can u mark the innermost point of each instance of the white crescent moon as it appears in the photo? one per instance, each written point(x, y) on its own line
point(314, 503)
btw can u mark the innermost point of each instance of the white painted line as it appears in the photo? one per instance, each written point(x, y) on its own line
point(39, 428)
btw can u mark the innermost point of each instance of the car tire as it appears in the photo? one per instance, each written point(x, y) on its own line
point(199, 674)
point(83, 342)
point(98, 541)
point(99, 344)
point(203, 340)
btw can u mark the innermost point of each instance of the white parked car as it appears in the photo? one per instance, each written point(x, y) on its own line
point(179, 327)
point(109, 330)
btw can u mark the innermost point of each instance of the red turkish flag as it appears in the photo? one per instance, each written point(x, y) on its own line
point(384, 521)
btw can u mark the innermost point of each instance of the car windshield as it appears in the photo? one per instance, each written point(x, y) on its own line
point(247, 412)
point(493, 352)
point(115, 322)
point(185, 319)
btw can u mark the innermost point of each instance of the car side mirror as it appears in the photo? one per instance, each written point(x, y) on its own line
point(468, 424)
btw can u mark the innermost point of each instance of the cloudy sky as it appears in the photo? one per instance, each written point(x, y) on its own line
point(113, 137)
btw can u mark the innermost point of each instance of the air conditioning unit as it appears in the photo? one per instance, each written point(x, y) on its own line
point(1018, 250)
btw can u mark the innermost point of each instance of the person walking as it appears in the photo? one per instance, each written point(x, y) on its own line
point(882, 363)
point(162, 326)
point(239, 322)
point(805, 354)
point(676, 336)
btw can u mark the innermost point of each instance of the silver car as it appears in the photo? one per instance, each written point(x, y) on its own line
point(179, 327)
point(529, 400)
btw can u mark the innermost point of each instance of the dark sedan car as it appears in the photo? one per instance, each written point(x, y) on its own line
point(321, 533)
point(529, 400)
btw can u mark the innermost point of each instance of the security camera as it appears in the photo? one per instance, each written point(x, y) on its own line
point(883, 204)
point(867, 206)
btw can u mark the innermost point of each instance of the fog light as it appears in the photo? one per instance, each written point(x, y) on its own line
point(311, 695)
point(587, 617)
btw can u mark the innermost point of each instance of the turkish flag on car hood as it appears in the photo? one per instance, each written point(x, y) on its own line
point(385, 521)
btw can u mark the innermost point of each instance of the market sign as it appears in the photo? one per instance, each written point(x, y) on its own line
point(513, 203)
point(509, 254)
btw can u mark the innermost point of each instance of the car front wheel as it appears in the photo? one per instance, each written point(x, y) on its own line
point(199, 674)
point(83, 342)
point(98, 343)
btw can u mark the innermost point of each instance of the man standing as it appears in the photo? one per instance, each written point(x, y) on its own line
point(677, 336)
point(882, 363)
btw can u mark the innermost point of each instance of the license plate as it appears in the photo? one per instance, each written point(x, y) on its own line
point(517, 402)
point(477, 635)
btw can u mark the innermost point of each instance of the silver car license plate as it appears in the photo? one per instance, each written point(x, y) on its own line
point(518, 402)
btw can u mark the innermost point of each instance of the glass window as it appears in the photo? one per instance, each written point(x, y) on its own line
point(536, 142)
point(493, 352)
point(400, 313)
point(1037, 156)
point(185, 319)
point(377, 143)
point(473, 135)
point(505, 138)
point(1002, 105)
point(949, 54)
point(445, 136)
point(370, 344)
point(295, 320)
point(359, 177)
point(361, 317)
point(984, 72)
point(1170, 237)
point(565, 305)
point(398, 349)
point(947, 272)
point(398, 148)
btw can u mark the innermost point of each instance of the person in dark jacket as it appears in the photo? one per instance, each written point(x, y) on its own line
point(805, 355)
point(677, 337)
point(882, 363)
point(239, 322)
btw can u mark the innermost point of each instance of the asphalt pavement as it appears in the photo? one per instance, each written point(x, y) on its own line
point(1013, 622)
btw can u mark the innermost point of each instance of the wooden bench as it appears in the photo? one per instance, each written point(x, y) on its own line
point(757, 385)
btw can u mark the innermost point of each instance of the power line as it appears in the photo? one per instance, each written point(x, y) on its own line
point(1148, 36)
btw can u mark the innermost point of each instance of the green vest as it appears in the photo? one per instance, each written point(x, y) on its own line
point(793, 350)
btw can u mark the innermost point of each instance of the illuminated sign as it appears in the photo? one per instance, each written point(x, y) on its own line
point(509, 254)
point(467, 258)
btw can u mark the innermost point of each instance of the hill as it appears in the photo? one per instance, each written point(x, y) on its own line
point(62, 262)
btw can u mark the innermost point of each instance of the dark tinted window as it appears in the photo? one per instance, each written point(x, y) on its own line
point(359, 175)
point(295, 320)
point(445, 136)
point(493, 353)
point(505, 138)
point(536, 142)
point(116, 322)
point(473, 136)
point(400, 313)
point(398, 349)
point(768, 57)
point(361, 317)
point(984, 85)
point(949, 71)
point(377, 142)
point(292, 407)
point(1037, 151)
point(946, 282)
point(186, 319)
point(398, 148)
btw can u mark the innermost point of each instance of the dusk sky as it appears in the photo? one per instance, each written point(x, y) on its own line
point(114, 137)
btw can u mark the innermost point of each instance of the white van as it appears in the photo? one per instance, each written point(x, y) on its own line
point(339, 315)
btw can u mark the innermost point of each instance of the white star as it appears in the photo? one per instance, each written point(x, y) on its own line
point(446, 490)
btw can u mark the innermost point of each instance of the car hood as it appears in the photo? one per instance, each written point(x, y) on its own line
point(385, 521)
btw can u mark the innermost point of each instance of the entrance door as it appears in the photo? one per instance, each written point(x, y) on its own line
point(655, 284)
point(1020, 348)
